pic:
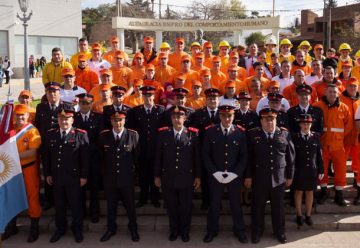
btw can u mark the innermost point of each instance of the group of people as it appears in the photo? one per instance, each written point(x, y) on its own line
point(180, 122)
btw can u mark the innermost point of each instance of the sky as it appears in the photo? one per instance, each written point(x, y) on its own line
point(287, 9)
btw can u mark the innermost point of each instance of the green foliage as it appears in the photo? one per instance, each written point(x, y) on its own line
point(256, 37)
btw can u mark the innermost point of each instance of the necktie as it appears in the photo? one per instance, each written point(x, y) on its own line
point(53, 107)
point(304, 111)
point(63, 136)
point(306, 136)
point(177, 139)
point(225, 132)
point(212, 116)
point(148, 112)
point(85, 118)
point(269, 137)
point(117, 140)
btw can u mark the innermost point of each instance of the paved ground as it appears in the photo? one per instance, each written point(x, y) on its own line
point(150, 239)
point(16, 85)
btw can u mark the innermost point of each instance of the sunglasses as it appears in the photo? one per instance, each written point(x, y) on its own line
point(85, 103)
point(68, 76)
point(186, 61)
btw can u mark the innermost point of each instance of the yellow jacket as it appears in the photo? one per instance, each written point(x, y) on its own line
point(52, 73)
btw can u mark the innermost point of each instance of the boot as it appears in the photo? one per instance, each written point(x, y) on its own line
point(11, 229)
point(355, 182)
point(357, 198)
point(339, 198)
point(34, 230)
point(322, 196)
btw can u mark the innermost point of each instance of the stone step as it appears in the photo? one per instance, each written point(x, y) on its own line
point(323, 222)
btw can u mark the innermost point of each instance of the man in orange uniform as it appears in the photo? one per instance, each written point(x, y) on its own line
point(198, 62)
point(189, 74)
point(25, 97)
point(138, 67)
point(256, 93)
point(328, 78)
point(208, 54)
point(351, 97)
point(345, 74)
point(135, 99)
point(234, 60)
point(300, 63)
point(337, 125)
point(259, 71)
point(28, 141)
point(106, 78)
point(84, 77)
point(217, 76)
point(290, 93)
point(194, 49)
point(196, 101)
point(83, 51)
point(175, 57)
point(164, 72)
point(105, 94)
point(240, 86)
point(115, 48)
point(150, 56)
point(150, 81)
point(121, 73)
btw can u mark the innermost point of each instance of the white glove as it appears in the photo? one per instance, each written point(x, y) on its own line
point(224, 176)
point(321, 176)
point(230, 176)
point(218, 176)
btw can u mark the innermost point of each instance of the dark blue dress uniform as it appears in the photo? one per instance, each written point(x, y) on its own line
point(222, 152)
point(248, 119)
point(178, 164)
point(93, 124)
point(202, 118)
point(282, 119)
point(315, 112)
point(120, 159)
point(66, 159)
point(109, 110)
point(271, 162)
point(308, 161)
point(147, 124)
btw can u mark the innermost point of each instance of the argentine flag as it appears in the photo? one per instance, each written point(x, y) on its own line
point(12, 189)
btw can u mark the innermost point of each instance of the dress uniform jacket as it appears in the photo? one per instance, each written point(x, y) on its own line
point(248, 120)
point(202, 119)
point(316, 114)
point(282, 119)
point(189, 117)
point(308, 161)
point(177, 163)
point(45, 118)
point(108, 111)
point(93, 126)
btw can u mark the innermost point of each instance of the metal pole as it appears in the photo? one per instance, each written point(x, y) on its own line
point(120, 7)
point(324, 26)
point(273, 8)
point(26, 60)
point(159, 9)
point(329, 28)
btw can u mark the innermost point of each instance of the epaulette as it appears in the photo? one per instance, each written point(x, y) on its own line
point(127, 106)
point(163, 129)
point(240, 127)
point(284, 129)
point(193, 129)
point(81, 130)
point(52, 129)
point(132, 130)
point(315, 134)
point(211, 125)
point(255, 128)
point(104, 131)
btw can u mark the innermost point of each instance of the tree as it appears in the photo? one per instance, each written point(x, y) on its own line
point(256, 37)
point(331, 3)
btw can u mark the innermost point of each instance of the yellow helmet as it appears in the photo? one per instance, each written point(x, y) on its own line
point(345, 46)
point(224, 43)
point(164, 45)
point(195, 44)
point(286, 42)
point(305, 43)
point(357, 54)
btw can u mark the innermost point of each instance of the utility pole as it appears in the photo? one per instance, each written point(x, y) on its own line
point(119, 8)
point(324, 26)
point(273, 10)
point(159, 9)
point(329, 27)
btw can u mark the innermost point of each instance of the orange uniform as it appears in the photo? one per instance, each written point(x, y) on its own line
point(305, 67)
point(356, 72)
point(86, 78)
point(240, 86)
point(98, 106)
point(290, 94)
point(208, 61)
point(164, 74)
point(264, 83)
point(198, 68)
point(341, 62)
point(337, 124)
point(255, 100)
point(122, 76)
point(224, 64)
point(74, 61)
point(150, 56)
point(134, 100)
point(320, 87)
point(137, 73)
point(175, 60)
point(96, 92)
point(28, 137)
point(190, 76)
point(193, 103)
point(217, 77)
point(110, 55)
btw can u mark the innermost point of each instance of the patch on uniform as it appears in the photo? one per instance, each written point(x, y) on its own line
point(193, 129)
point(71, 141)
point(283, 128)
point(211, 125)
point(163, 129)
point(81, 130)
point(104, 131)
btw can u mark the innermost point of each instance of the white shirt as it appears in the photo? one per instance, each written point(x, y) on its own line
point(117, 108)
point(271, 134)
point(70, 95)
point(87, 115)
point(223, 129)
point(306, 108)
point(249, 61)
point(264, 103)
point(312, 79)
point(283, 81)
point(178, 132)
point(226, 101)
point(209, 111)
point(117, 134)
point(66, 131)
point(97, 66)
point(56, 104)
point(147, 109)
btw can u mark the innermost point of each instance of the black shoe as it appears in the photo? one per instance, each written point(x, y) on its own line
point(308, 220)
point(354, 182)
point(95, 218)
point(78, 237)
point(322, 196)
point(242, 238)
point(47, 206)
point(140, 203)
point(173, 236)
point(135, 236)
point(156, 203)
point(107, 236)
point(282, 238)
point(299, 220)
point(357, 198)
point(185, 237)
point(57, 235)
point(34, 230)
point(255, 239)
point(8, 233)
point(339, 198)
point(209, 237)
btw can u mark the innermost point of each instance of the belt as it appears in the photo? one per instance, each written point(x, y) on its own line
point(28, 165)
point(334, 129)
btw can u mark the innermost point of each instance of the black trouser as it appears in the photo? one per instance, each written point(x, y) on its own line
point(179, 206)
point(7, 75)
point(146, 180)
point(205, 197)
point(261, 192)
point(127, 195)
point(71, 194)
point(216, 193)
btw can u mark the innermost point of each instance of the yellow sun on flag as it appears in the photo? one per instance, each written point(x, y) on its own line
point(6, 166)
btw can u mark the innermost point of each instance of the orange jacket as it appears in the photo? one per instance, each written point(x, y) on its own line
point(175, 60)
point(320, 87)
point(352, 103)
point(199, 69)
point(134, 100)
point(96, 92)
point(337, 124)
point(255, 100)
point(340, 63)
point(289, 57)
point(163, 75)
point(86, 78)
point(109, 56)
point(217, 78)
point(305, 67)
point(264, 83)
point(224, 64)
point(195, 103)
point(74, 61)
point(190, 77)
point(240, 86)
point(356, 72)
point(137, 73)
point(98, 106)
point(290, 94)
point(208, 61)
point(122, 76)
